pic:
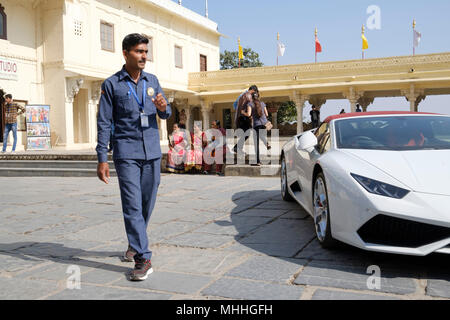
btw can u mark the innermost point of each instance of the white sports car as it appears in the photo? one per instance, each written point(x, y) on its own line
point(379, 181)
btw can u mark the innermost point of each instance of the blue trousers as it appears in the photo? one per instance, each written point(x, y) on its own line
point(139, 181)
point(10, 127)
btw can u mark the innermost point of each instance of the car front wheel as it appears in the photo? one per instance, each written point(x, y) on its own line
point(321, 211)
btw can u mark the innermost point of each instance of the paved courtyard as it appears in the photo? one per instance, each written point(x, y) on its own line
point(211, 237)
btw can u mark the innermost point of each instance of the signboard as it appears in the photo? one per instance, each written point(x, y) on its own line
point(38, 127)
point(8, 69)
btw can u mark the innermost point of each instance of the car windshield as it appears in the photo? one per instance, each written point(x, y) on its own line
point(394, 133)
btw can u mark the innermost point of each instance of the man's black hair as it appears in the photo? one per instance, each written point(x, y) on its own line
point(8, 96)
point(254, 88)
point(132, 40)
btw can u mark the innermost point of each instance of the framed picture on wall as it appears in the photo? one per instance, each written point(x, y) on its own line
point(38, 143)
point(37, 113)
point(38, 127)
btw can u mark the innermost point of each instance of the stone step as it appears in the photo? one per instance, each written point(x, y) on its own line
point(252, 171)
point(50, 156)
point(230, 170)
point(54, 164)
point(85, 165)
point(50, 172)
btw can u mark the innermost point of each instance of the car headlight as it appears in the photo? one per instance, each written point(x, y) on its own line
point(380, 188)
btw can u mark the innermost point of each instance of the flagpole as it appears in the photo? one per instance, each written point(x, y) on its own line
point(362, 30)
point(278, 40)
point(239, 48)
point(414, 28)
point(315, 49)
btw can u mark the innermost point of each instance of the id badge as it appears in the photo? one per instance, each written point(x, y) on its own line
point(144, 120)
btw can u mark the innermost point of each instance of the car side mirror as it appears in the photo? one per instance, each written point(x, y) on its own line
point(307, 141)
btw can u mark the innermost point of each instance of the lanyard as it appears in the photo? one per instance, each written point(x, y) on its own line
point(136, 97)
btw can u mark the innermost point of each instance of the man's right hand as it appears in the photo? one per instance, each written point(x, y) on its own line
point(103, 172)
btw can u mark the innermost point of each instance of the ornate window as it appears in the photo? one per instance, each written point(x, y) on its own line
point(150, 48)
point(107, 36)
point(78, 28)
point(2, 23)
point(178, 57)
point(203, 63)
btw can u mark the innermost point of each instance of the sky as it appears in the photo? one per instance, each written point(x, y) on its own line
point(339, 24)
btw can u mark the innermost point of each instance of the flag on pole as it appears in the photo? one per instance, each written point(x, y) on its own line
point(241, 52)
point(318, 46)
point(281, 49)
point(417, 37)
point(365, 43)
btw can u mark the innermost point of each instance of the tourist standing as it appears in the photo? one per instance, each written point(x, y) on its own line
point(242, 117)
point(12, 110)
point(259, 115)
point(315, 117)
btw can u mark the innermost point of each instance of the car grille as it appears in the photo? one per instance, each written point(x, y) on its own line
point(386, 230)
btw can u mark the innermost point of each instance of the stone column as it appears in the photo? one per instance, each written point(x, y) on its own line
point(353, 97)
point(92, 116)
point(73, 86)
point(317, 101)
point(275, 120)
point(299, 100)
point(365, 101)
point(163, 131)
point(414, 96)
point(187, 110)
point(206, 107)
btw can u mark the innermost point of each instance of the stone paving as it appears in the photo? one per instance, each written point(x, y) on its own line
point(212, 238)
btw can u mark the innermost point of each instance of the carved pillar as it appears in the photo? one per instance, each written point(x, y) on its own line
point(163, 131)
point(73, 86)
point(275, 120)
point(272, 108)
point(187, 110)
point(414, 96)
point(353, 97)
point(299, 100)
point(317, 101)
point(206, 107)
point(92, 116)
point(364, 102)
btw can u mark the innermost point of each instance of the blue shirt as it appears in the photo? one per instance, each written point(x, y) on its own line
point(119, 107)
point(235, 104)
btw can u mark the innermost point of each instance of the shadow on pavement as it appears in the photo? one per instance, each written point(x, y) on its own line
point(57, 252)
point(270, 226)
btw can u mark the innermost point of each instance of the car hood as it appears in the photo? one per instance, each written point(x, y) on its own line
point(425, 171)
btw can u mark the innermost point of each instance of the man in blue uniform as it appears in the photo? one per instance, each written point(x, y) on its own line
point(130, 100)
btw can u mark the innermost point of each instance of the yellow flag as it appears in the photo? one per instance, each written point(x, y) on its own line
point(365, 43)
point(241, 53)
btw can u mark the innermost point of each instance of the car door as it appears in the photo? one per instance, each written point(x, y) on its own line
point(290, 160)
point(307, 160)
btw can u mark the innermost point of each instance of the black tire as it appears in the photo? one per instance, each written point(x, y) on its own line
point(323, 233)
point(284, 187)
